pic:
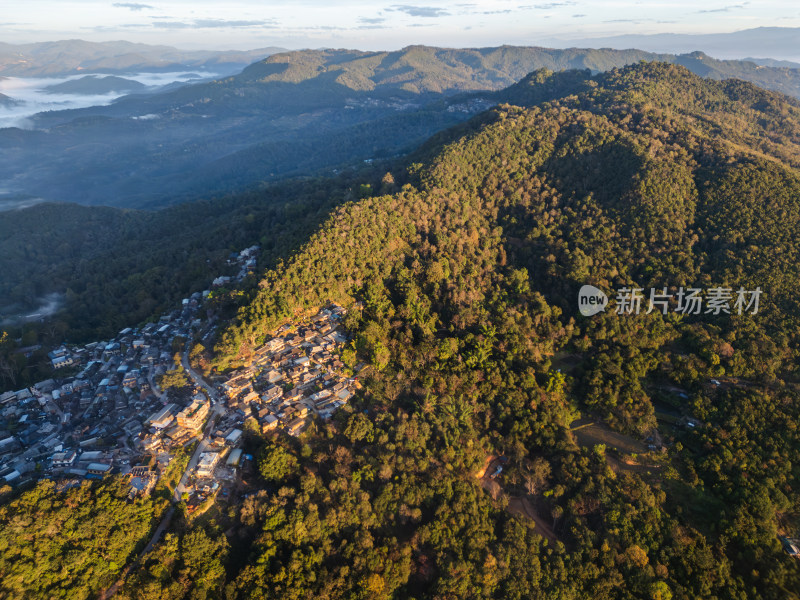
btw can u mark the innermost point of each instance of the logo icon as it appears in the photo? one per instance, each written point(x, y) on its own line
point(591, 300)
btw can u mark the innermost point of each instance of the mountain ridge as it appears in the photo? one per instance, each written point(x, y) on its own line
point(68, 57)
point(767, 42)
point(279, 118)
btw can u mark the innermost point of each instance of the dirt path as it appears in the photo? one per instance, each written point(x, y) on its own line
point(489, 459)
point(617, 466)
point(521, 506)
point(517, 505)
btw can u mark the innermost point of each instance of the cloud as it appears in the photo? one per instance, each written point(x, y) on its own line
point(548, 5)
point(722, 9)
point(578, 16)
point(634, 21)
point(213, 24)
point(419, 11)
point(133, 5)
point(371, 23)
point(173, 25)
point(231, 23)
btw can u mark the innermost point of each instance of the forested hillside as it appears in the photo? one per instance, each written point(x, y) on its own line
point(70, 541)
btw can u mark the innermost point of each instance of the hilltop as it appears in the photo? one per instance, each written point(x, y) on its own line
point(96, 85)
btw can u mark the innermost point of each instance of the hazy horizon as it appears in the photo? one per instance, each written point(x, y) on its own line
point(246, 24)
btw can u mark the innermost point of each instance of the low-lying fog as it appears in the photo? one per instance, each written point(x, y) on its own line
point(48, 305)
point(32, 98)
point(15, 202)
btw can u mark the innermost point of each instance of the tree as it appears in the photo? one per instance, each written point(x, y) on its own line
point(535, 474)
point(359, 427)
point(173, 379)
point(276, 463)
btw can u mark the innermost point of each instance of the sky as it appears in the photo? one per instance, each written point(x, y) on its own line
point(375, 25)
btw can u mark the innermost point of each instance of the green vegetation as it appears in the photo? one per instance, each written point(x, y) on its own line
point(181, 566)
point(173, 379)
point(70, 543)
point(172, 474)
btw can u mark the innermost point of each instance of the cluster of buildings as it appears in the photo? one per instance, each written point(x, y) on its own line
point(290, 380)
point(103, 412)
point(93, 420)
point(294, 376)
point(245, 260)
point(106, 414)
point(391, 103)
point(175, 425)
point(471, 106)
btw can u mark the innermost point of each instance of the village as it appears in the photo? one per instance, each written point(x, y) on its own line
point(110, 417)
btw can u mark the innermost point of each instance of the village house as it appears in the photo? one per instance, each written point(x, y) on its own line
point(207, 464)
point(269, 423)
point(193, 416)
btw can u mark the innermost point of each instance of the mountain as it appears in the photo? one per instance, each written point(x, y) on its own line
point(67, 57)
point(779, 78)
point(648, 168)
point(92, 84)
point(423, 69)
point(641, 455)
point(780, 43)
point(6, 101)
point(284, 116)
point(467, 280)
point(771, 62)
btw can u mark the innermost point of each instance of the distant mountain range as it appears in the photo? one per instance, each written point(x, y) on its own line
point(68, 57)
point(770, 43)
point(291, 114)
